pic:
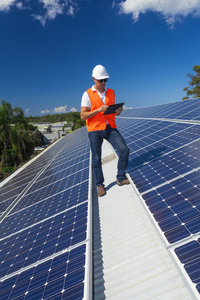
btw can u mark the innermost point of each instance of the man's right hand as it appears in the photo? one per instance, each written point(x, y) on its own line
point(86, 114)
point(103, 108)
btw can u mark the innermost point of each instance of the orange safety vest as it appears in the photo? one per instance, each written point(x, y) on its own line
point(99, 121)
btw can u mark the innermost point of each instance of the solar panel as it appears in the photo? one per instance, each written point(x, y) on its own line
point(161, 155)
point(45, 236)
point(185, 110)
point(164, 165)
point(189, 257)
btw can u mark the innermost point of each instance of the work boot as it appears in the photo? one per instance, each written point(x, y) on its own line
point(123, 182)
point(101, 190)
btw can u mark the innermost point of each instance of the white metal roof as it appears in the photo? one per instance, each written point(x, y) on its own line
point(130, 259)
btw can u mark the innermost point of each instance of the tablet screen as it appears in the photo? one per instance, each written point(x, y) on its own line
point(112, 108)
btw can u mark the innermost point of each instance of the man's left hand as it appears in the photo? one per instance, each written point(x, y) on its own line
point(118, 111)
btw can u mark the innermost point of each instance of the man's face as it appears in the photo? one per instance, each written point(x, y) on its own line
point(100, 84)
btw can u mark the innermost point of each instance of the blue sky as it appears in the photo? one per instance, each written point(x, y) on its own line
point(48, 49)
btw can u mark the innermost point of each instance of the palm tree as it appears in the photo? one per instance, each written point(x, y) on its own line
point(76, 120)
point(12, 143)
point(17, 137)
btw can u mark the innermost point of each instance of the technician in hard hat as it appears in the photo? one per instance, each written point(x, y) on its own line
point(95, 102)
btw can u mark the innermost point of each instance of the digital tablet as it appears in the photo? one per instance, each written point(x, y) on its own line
point(112, 108)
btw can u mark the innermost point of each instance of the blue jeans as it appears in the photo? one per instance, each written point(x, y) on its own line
point(113, 136)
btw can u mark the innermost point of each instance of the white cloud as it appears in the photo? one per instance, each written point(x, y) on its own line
point(126, 107)
point(171, 10)
point(45, 111)
point(52, 8)
point(26, 111)
point(71, 10)
point(41, 19)
point(20, 5)
point(6, 4)
point(73, 109)
point(47, 9)
point(60, 109)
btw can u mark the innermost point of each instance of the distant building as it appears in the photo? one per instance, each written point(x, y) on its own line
point(56, 131)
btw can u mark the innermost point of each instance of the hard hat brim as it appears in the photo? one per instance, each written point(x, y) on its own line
point(101, 77)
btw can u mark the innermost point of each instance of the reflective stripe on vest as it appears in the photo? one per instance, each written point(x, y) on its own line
point(99, 121)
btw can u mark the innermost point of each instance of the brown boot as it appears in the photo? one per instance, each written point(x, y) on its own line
point(101, 190)
point(123, 182)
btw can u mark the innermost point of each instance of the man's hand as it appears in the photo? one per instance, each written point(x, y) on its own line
point(103, 108)
point(86, 114)
point(119, 111)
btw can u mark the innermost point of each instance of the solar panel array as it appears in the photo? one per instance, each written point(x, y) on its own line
point(45, 234)
point(45, 210)
point(164, 143)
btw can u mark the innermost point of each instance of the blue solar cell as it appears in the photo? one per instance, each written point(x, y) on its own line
point(189, 214)
point(53, 287)
point(177, 233)
point(174, 200)
point(194, 200)
point(19, 290)
point(5, 204)
point(153, 199)
point(154, 208)
point(164, 214)
point(166, 191)
point(179, 182)
point(191, 192)
point(180, 206)
point(6, 287)
point(170, 223)
point(193, 270)
point(35, 294)
point(151, 195)
point(198, 288)
point(184, 187)
point(74, 293)
point(72, 266)
point(194, 177)
point(194, 225)
point(74, 278)
point(188, 252)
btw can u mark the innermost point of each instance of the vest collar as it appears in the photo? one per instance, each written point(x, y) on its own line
point(94, 90)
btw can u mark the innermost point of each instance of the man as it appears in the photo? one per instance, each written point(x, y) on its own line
point(95, 102)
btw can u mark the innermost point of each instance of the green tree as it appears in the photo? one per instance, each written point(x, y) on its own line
point(9, 117)
point(193, 90)
point(66, 125)
point(76, 121)
point(17, 137)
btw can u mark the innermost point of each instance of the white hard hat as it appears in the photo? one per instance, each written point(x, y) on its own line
point(99, 72)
